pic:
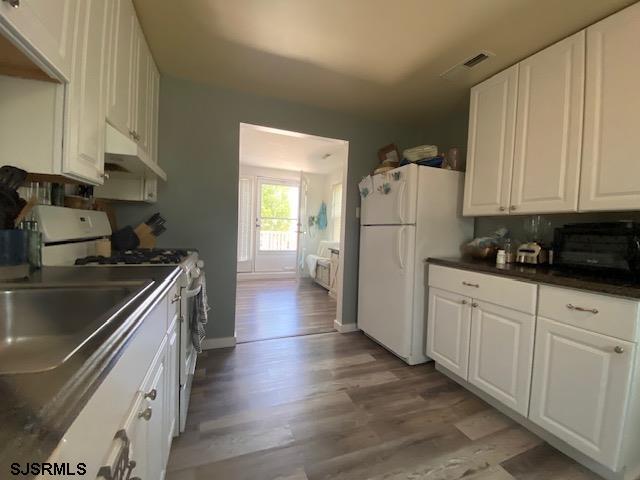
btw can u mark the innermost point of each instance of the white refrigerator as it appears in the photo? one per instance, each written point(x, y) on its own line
point(409, 214)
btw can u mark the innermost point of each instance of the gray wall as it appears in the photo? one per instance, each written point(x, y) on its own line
point(198, 148)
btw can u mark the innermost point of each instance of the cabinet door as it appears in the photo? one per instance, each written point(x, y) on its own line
point(150, 190)
point(156, 396)
point(501, 354)
point(84, 146)
point(171, 388)
point(492, 120)
point(137, 432)
point(143, 59)
point(119, 109)
point(46, 27)
point(448, 328)
point(580, 388)
point(546, 165)
point(610, 169)
point(154, 107)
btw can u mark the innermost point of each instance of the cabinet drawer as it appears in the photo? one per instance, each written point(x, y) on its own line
point(501, 291)
point(611, 316)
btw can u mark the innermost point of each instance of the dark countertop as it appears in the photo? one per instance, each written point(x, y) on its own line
point(38, 408)
point(599, 283)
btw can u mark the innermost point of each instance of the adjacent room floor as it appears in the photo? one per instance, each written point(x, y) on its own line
point(338, 406)
point(282, 308)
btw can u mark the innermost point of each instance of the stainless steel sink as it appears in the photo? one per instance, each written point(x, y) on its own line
point(42, 327)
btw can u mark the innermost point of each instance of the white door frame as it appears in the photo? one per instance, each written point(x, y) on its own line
point(346, 190)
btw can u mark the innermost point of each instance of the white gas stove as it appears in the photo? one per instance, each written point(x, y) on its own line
point(70, 238)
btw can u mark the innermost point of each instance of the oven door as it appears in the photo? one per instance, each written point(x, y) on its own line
point(187, 350)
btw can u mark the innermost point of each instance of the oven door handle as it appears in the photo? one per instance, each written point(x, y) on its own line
point(192, 293)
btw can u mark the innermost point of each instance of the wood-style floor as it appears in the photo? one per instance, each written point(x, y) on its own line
point(338, 406)
point(282, 308)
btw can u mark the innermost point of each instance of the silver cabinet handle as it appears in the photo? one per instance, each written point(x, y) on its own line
point(619, 349)
point(467, 284)
point(13, 3)
point(512, 207)
point(151, 395)
point(176, 298)
point(581, 309)
point(146, 414)
point(474, 304)
point(463, 302)
point(502, 209)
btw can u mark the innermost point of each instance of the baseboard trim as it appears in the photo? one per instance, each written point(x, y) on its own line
point(220, 342)
point(243, 277)
point(345, 328)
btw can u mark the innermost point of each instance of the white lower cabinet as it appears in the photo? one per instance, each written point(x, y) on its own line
point(571, 370)
point(581, 386)
point(134, 410)
point(501, 353)
point(171, 392)
point(448, 327)
point(154, 414)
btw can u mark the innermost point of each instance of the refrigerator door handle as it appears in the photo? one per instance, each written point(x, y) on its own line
point(400, 201)
point(400, 245)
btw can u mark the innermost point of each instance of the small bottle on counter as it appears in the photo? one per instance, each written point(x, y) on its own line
point(509, 253)
point(34, 247)
point(501, 258)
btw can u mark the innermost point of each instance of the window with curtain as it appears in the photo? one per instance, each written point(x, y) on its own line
point(244, 219)
point(336, 211)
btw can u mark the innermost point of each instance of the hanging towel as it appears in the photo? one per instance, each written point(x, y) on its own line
point(200, 315)
point(365, 186)
point(322, 217)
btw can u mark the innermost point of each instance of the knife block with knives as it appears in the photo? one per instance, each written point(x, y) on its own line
point(149, 231)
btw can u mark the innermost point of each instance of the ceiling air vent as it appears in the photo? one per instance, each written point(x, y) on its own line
point(472, 62)
point(457, 71)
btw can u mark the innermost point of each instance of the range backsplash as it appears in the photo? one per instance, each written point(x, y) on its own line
point(517, 224)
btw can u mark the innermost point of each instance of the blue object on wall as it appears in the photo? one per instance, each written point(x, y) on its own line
point(322, 217)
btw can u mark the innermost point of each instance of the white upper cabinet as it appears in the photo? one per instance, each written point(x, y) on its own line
point(141, 99)
point(83, 155)
point(492, 120)
point(121, 78)
point(610, 167)
point(45, 27)
point(546, 165)
point(154, 108)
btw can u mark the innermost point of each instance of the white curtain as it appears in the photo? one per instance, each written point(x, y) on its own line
point(336, 211)
point(244, 219)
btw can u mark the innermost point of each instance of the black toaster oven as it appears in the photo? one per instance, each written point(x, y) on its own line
point(610, 246)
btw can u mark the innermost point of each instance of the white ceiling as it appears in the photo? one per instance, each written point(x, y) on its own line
point(272, 148)
point(378, 58)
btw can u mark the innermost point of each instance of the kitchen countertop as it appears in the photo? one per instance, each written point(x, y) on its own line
point(599, 283)
point(38, 408)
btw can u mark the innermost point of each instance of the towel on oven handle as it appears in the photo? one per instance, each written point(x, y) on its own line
point(200, 315)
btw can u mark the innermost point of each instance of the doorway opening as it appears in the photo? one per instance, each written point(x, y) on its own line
point(290, 233)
